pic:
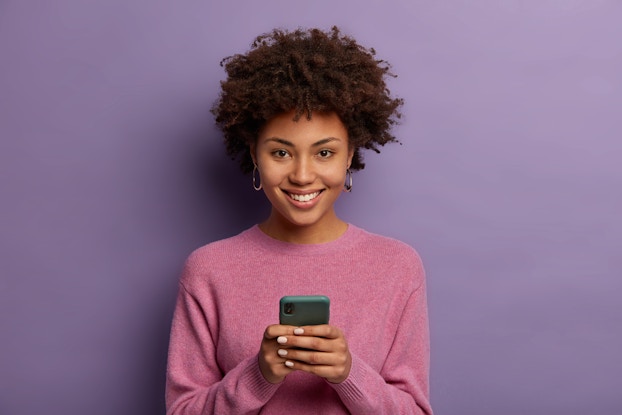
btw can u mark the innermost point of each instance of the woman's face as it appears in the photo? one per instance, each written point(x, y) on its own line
point(302, 165)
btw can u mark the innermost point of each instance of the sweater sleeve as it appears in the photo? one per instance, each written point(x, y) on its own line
point(195, 384)
point(402, 386)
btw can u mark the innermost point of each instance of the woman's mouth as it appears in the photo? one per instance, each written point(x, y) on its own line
point(303, 198)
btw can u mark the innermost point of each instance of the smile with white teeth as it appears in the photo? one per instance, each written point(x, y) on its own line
point(304, 198)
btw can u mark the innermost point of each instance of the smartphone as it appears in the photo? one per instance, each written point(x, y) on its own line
point(304, 310)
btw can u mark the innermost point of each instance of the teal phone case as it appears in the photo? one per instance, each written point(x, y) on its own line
point(304, 310)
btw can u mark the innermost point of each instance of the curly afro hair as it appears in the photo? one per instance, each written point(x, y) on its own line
point(306, 71)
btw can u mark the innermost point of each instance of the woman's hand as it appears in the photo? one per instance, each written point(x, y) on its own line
point(272, 365)
point(321, 350)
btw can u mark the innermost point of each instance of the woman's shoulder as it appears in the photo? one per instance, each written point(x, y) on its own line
point(387, 245)
point(390, 255)
point(222, 251)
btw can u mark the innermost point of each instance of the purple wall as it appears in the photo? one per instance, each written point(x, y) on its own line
point(507, 182)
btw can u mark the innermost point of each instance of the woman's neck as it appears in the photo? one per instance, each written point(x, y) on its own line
point(329, 230)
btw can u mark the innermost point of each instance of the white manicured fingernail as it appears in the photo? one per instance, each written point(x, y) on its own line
point(282, 352)
point(281, 339)
point(289, 364)
point(298, 330)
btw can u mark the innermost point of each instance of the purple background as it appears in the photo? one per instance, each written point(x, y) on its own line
point(507, 182)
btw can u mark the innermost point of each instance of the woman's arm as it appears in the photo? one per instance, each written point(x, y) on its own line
point(194, 382)
point(402, 386)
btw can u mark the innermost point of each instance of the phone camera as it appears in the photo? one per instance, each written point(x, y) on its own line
point(289, 308)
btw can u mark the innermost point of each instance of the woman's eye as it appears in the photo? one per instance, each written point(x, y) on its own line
point(280, 153)
point(325, 153)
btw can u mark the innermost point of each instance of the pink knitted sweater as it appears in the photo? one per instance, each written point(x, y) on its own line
point(229, 293)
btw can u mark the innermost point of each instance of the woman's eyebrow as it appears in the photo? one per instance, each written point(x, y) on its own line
point(281, 141)
point(325, 141)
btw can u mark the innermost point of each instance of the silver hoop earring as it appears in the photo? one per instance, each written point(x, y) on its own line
point(255, 180)
point(348, 184)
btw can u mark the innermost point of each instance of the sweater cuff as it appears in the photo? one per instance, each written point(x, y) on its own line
point(257, 385)
point(349, 390)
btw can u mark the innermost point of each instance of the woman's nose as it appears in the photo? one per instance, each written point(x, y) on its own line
point(302, 172)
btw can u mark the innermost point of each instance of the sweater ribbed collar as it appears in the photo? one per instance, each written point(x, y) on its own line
point(264, 242)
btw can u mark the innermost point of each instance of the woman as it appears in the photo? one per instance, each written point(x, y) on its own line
point(296, 110)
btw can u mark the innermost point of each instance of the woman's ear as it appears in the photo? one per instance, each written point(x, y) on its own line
point(251, 149)
point(350, 156)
